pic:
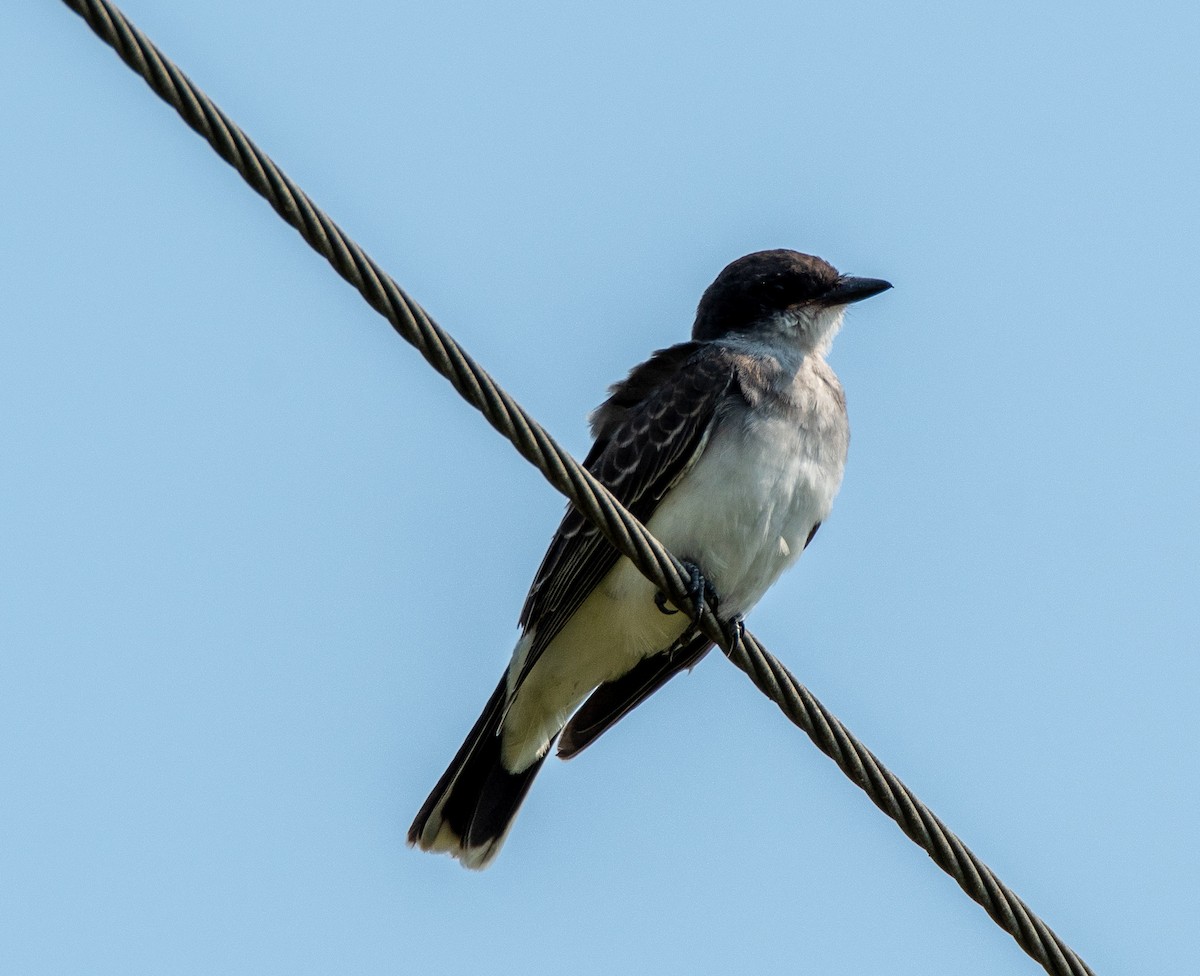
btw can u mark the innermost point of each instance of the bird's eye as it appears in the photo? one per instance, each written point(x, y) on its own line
point(773, 290)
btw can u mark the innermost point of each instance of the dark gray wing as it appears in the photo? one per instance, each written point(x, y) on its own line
point(648, 433)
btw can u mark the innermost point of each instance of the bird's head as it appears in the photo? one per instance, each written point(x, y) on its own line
point(780, 292)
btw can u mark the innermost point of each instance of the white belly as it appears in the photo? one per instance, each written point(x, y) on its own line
point(745, 511)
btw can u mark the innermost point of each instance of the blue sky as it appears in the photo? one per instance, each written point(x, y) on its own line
point(260, 567)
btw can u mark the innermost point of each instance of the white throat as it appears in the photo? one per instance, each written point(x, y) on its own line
point(793, 334)
point(812, 328)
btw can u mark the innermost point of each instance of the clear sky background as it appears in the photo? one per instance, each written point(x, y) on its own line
point(260, 567)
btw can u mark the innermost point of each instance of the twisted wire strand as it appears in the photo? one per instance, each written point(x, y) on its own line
point(624, 531)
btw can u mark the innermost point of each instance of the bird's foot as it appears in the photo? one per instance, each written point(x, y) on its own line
point(700, 591)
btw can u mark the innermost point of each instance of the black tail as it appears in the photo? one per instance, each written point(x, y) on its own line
point(471, 809)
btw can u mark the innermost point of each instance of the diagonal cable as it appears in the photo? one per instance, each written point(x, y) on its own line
point(624, 531)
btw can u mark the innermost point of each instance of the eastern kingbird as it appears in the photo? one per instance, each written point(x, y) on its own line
point(730, 449)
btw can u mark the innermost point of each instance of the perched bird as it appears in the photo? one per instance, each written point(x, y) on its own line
point(730, 448)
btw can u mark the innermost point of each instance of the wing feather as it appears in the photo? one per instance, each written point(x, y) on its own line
point(648, 433)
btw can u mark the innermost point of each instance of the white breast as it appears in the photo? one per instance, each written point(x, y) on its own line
point(766, 478)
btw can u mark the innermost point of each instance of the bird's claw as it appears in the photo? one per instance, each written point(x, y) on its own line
point(733, 629)
point(700, 591)
point(660, 601)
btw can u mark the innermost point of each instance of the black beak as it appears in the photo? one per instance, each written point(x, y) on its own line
point(848, 290)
